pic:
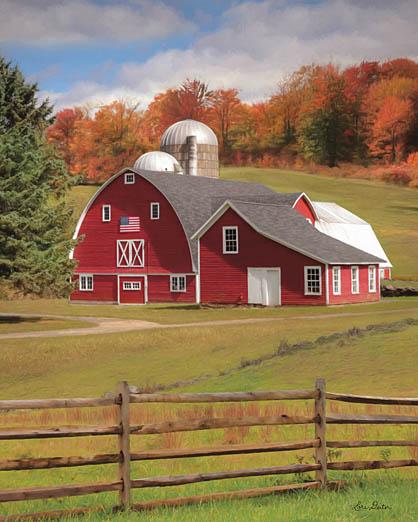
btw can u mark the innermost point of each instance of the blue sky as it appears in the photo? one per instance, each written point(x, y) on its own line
point(93, 51)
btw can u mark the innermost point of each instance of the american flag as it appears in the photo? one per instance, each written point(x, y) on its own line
point(129, 224)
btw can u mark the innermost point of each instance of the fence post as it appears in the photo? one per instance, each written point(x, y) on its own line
point(124, 445)
point(320, 432)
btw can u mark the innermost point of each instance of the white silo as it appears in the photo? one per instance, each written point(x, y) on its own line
point(158, 161)
point(195, 147)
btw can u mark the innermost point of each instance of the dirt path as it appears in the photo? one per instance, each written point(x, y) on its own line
point(103, 325)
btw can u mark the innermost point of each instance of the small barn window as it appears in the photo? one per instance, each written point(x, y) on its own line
point(132, 285)
point(372, 279)
point(106, 213)
point(355, 287)
point(86, 282)
point(155, 211)
point(178, 283)
point(230, 240)
point(336, 280)
point(129, 178)
point(382, 273)
point(313, 283)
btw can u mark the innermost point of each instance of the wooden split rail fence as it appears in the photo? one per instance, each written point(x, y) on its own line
point(124, 429)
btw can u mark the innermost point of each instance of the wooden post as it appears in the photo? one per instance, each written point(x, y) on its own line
point(124, 445)
point(320, 432)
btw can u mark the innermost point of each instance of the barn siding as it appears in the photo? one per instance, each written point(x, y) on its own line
point(159, 290)
point(346, 295)
point(224, 277)
point(166, 247)
point(105, 288)
point(303, 208)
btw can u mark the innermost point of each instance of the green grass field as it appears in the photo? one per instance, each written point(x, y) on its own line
point(391, 210)
point(357, 349)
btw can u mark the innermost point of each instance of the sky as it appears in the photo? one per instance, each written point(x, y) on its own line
point(94, 51)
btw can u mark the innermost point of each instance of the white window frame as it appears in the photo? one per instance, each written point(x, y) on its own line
point(84, 287)
point(355, 270)
point(129, 176)
point(129, 285)
point(382, 273)
point(224, 231)
point(372, 288)
point(336, 270)
point(174, 277)
point(307, 291)
point(104, 208)
point(130, 253)
point(154, 204)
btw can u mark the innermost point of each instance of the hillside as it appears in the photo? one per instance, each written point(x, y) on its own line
point(391, 210)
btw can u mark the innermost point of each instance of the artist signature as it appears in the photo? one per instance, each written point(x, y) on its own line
point(375, 505)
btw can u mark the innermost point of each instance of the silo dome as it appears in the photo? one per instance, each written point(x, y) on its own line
point(158, 161)
point(177, 134)
point(195, 147)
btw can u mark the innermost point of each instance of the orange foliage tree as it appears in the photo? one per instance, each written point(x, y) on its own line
point(107, 141)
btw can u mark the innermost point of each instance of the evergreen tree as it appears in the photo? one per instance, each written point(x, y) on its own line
point(34, 216)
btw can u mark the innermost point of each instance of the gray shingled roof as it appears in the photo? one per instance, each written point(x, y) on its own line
point(195, 199)
point(286, 225)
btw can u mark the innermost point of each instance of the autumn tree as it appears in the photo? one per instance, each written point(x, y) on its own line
point(225, 108)
point(389, 129)
point(324, 127)
point(107, 141)
point(62, 133)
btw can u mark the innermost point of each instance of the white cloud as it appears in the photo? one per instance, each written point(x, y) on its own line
point(41, 22)
point(259, 42)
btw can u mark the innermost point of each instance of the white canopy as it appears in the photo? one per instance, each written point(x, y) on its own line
point(339, 223)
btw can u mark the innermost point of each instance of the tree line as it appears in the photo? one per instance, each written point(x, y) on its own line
point(364, 115)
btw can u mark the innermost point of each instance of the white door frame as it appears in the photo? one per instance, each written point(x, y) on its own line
point(145, 277)
point(270, 268)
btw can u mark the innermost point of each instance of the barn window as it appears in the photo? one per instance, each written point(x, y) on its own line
point(132, 285)
point(106, 213)
point(230, 240)
point(355, 287)
point(129, 178)
point(313, 283)
point(130, 252)
point(372, 278)
point(155, 211)
point(178, 283)
point(85, 282)
point(382, 273)
point(336, 280)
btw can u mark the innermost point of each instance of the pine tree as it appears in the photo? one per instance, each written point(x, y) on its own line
point(34, 215)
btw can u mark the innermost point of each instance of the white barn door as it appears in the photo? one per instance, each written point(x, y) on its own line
point(264, 286)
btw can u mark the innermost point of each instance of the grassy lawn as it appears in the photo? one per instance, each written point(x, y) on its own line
point(374, 360)
point(391, 210)
point(401, 284)
point(179, 314)
point(18, 323)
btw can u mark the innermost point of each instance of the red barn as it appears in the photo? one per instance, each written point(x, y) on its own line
point(149, 237)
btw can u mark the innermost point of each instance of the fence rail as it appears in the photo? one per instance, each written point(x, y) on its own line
point(126, 396)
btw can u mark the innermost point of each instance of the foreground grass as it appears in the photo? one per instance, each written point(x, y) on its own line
point(48, 367)
point(18, 324)
point(182, 314)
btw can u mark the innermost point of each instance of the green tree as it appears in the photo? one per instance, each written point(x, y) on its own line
point(325, 127)
point(34, 215)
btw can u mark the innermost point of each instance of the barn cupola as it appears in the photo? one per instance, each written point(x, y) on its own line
point(194, 145)
point(158, 161)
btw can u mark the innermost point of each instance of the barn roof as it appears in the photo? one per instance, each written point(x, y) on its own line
point(286, 226)
point(196, 199)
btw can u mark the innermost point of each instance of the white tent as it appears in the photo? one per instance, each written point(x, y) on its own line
point(339, 223)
